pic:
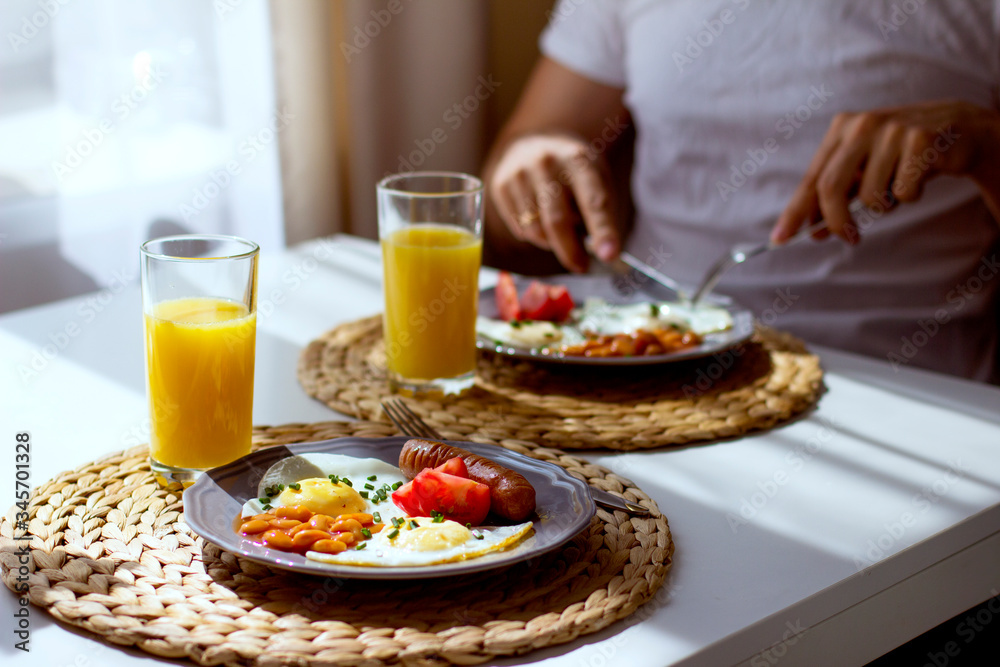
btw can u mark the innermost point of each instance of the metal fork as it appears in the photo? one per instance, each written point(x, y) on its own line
point(741, 252)
point(411, 424)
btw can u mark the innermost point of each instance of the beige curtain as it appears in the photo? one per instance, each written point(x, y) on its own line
point(381, 86)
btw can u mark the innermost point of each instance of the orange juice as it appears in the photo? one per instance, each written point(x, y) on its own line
point(431, 294)
point(199, 360)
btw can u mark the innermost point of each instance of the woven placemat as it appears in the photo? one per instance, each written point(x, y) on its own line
point(754, 386)
point(110, 554)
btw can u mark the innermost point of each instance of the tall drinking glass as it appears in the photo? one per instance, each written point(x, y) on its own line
point(199, 304)
point(431, 230)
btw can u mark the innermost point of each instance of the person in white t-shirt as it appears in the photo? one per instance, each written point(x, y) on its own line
point(754, 117)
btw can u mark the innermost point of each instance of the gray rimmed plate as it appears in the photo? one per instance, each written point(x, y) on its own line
point(211, 505)
point(585, 286)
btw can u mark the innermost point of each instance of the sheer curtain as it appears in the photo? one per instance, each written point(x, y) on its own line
point(397, 70)
point(120, 121)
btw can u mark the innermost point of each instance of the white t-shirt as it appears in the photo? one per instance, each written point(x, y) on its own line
point(730, 100)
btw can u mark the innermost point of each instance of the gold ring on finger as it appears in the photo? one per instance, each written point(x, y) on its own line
point(527, 218)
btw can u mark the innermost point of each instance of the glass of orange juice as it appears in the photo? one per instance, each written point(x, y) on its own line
point(431, 230)
point(199, 304)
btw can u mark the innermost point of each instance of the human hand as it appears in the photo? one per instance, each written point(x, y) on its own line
point(545, 185)
point(889, 154)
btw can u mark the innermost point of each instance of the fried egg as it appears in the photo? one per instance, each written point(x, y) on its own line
point(428, 543)
point(600, 317)
point(416, 541)
point(321, 495)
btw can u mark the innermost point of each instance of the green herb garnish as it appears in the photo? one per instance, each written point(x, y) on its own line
point(346, 481)
point(264, 501)
point(478, 536)
point(361, 546)
point(414, 524)
point(296, 486)
point(363, 494)
point(367, 533)
point(372, 478)
point(396, 485)
point(393, 533)
point(377, 517)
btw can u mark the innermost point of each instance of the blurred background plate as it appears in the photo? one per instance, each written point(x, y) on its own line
point(582, 287)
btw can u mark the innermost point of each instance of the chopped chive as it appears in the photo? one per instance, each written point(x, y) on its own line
point(267, 508)
point(468, 525)
point(478, 536)
point(372, 478)
point(393, 533)
point(346, 481)
point(367, 533)
point(296, 486)
point(396, 485)
point(377, 517)
point(334, 479)
point(438, 519)
point(363, 494)
point(361, 546)
point(369, 486)
point(264, 501)
point(515, 324)
point(414, 524)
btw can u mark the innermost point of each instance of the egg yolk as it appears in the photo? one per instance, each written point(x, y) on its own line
point(433, 536)
point(321, 496)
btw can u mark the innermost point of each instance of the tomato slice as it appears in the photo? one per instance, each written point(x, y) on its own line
point(457, 498)
point(404, 499)
point(506, 298)
point(551, 303)
point(454, 466)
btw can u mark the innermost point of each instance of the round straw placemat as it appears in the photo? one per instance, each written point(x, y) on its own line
point(110, 553)
point(751, 387)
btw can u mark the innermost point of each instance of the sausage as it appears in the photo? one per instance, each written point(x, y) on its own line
point(511, 495)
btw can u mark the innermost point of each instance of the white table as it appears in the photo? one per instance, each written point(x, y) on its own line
point(864, 524)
